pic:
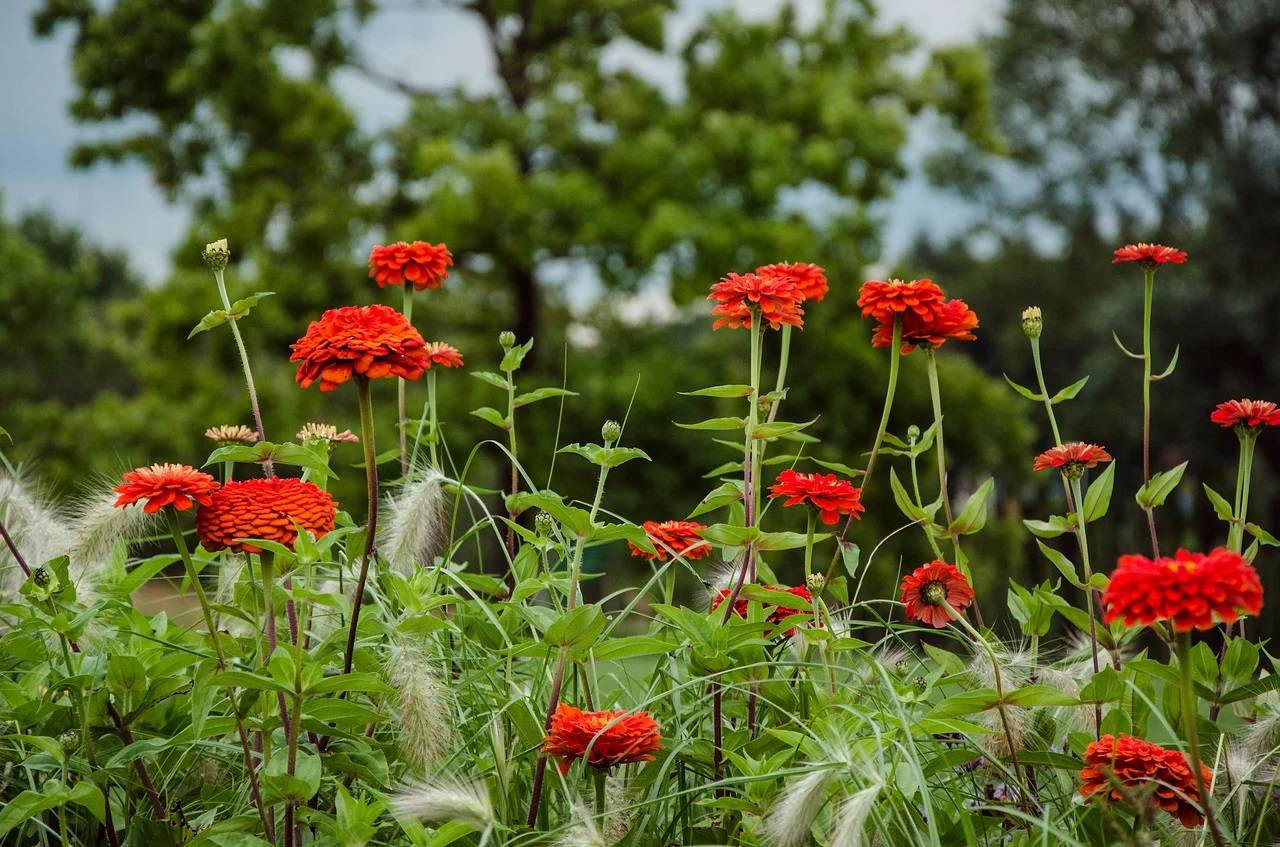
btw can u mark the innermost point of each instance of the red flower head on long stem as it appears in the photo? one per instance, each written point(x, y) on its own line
point(270, 509)
point(827, 493)
point(673, 538)
point(1249, 414)
point(442, 354)
point(948, 320)
point(1071, 458)
point(776, 298)
point(1112, 765)
point(1149, 255)
point(179, 486)
point(929, 589)
point(1189, 590)
point(605, 739)
point(810, 280)
point(368, 341)
point(883, 300)
point(419, 264)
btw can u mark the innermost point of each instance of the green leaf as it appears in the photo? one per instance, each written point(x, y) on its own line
point(905, 504)
point(786, 540)
point(1062, 563)
point(605, 457)
point(1160, 486)
point(1040, 695)
point(355, 681)
point(1221, 507)
point(215, 318)
point(496, 380)
point(1173, 363)
point(512, 358)
point(493, 416)
point(1052, 528)
point(1069, 392)
point(1098, 498)
point(722, 495)
point(576, 629)
point(726, 391)
point(715, 424)
point(778, 429)
point(1034, 396)
point(577, 521)
point(244, 305)
point(1241, 660)
point(631, 647)
point(541, 394)
point(1262, 535)
point(301, 786)
point(973, 517)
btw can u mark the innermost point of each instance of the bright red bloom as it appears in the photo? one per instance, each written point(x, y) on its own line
point(1250, 413)
point(939, 323)
point(884, 299)
point(679, 538)
point(445, 355)
point(1072, 454)
point(925, 589)
point(421, 264)
point(810, 279)
point(827, 493)
point(1189, 589)
point(604, 738)
point(1156, 254)
point(777, 614)
point(271, 509)
point(368, 341)
point(179, 486)
point(1134, 763)
point(777, 298)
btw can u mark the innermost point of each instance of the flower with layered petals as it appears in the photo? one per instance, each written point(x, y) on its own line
point(925, 589)
point(949, 320)
point(365, 341)
point(1112, 764)
point(420, 264)
point(1152, 254)
point(231, 434)
point(777, 614)
point(810, 279)
point(1191, 590)
point(1072, 457)
point(738, 296)
point(270, 509)
point(883, 300)
point(673, 538)
point(827, 493)
point(605, 739)
point(1247, 413)
point(442, 354)
point(327, 433)
point(179, 486)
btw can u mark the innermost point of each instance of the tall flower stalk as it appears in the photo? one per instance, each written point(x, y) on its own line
point(1190, 719)
point(371, 525)
point(403, 427)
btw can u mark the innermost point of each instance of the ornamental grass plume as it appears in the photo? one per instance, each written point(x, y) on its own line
point(444, 799)
point(790, 819)
point(417, 527)
point(38, 529)
point(423, 705)
point(97, 523)
point(851, 819)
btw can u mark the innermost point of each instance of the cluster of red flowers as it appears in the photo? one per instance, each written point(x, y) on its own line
point(1072, 456)
point(777, 614)
point(925, 590)
point(367, 341)
point(420, 264)
point(1246, 413)
point(179, 486)
point(1187, 590)
point(673, 538)
point(1155, 254)
point(605, 739)
point(928, 318)
point(827, 493)
point(1113, 764)
point(268, 509)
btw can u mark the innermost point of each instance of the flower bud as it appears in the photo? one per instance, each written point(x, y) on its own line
point(507, 339)
point(1032, 322)
point(40, 577)
point(216, 254)
point(816, 582)
point(69, 741)
point(611, 432)
point(543, 523)
point(913, 433)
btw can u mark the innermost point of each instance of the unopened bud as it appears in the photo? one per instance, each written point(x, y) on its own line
point(1032, 322)
point(40, 577)
point(913, 433)
point(816, 583)
point(216, 254)
point(507, 339)
point(69, 741)
point(543, 523)
point(611, 432)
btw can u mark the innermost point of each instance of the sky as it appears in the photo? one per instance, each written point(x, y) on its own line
point(118, 205)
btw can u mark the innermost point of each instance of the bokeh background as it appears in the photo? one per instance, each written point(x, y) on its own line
point(595, 166)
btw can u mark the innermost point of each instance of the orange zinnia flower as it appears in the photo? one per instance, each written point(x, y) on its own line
point(445, 355)
point(925, 589)
point(605, 739)
point(1134, 763)
point(421, 264)
point(366, 341)
point(937, 324)
point(1189, 590)
point(1247, 413)
point(777, 614)
point(884, 299)
point(1153, 254)
point(179, 486)
point(776, 298)
point(673, 538)
point(1072, 457)
point(810, 279)
point(270, 509)
point(827, 493)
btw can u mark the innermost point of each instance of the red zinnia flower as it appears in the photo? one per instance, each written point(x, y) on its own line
point(605, 738)
point(1156, 254)
point(925, 589)
point(883, 299)
point(776, 297)
point(1250, 413)
point(445, 355)
point(1189, 590)
point(369, 341)
point(1133, 763)
point(678, 538)
point(422, 264)
point(827, 493)
point(1074, 455)
point(939, 322)
point(810, 279)
point(271, 509)
point(179, 486)
point(777, 614)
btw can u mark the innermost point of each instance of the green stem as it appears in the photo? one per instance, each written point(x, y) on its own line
point(895, 356)
point(371, 528)
point(783, 359)
point(915, 487)
point(1044, 391)
point(1082, 537)
point(1190, 720)
point(808, 562)
point(244, 361)
point(1149, 276)
point(400, 390)
point(434, 438)
point(599, 777)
